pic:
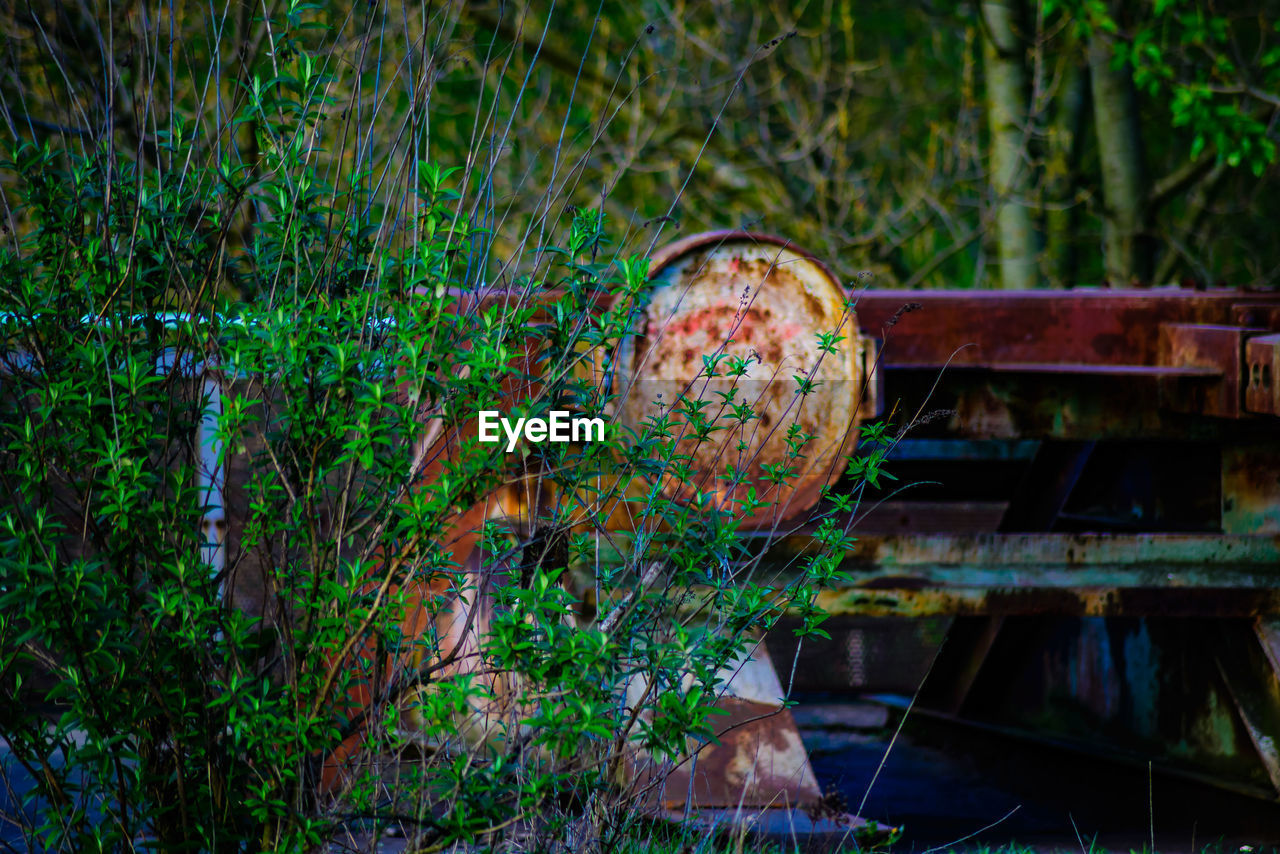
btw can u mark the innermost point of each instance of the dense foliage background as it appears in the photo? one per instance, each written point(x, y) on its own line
point(938, 144)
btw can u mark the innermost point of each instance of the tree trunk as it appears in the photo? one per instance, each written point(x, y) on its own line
point(1127, 244)
point(1062, 178)
point(1004, 51)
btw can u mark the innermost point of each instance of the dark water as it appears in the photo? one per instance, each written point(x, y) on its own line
point(946, 782)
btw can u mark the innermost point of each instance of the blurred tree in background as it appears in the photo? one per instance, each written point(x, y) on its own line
point(1008, 143)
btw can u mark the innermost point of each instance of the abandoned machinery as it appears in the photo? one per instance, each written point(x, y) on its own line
point(1094, 525)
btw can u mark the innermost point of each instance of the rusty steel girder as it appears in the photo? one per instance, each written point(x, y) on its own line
point(1081, 363)
point(1082, 329)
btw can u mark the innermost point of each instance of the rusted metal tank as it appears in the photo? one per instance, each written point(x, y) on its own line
point(733, 330)
point(737, 318)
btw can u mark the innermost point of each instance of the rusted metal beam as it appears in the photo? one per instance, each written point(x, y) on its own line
point(1251, 682)
point(903, 575)
point(1265, 312)
point(1075, 601)
point(1075, 575)
point(1077, 364)
point(1069, 402)
point(1072, 557)
point(1082, 327)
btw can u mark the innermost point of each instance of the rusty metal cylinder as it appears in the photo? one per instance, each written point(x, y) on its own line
point(734, 321)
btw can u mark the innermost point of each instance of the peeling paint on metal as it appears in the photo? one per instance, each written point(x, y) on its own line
point(758, 302)
point(211, 476)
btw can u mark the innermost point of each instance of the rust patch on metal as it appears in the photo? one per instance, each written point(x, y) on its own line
point(1262, 383)
point(1264, 314)
point(1219, 348)
point(759, 762)
point(729, 335)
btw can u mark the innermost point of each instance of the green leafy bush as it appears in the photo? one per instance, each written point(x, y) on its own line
point(159, 697)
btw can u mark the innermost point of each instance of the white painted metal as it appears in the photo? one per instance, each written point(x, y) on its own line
point(211, 474)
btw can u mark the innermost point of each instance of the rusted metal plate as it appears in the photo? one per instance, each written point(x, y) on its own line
point(758, 303)
point(759, 761)
point(1219, 349)
point(1262, 384)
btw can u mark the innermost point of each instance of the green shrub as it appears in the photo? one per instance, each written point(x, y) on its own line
point(146, 706)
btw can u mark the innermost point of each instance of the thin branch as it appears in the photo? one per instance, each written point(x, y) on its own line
point(1180, 179)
